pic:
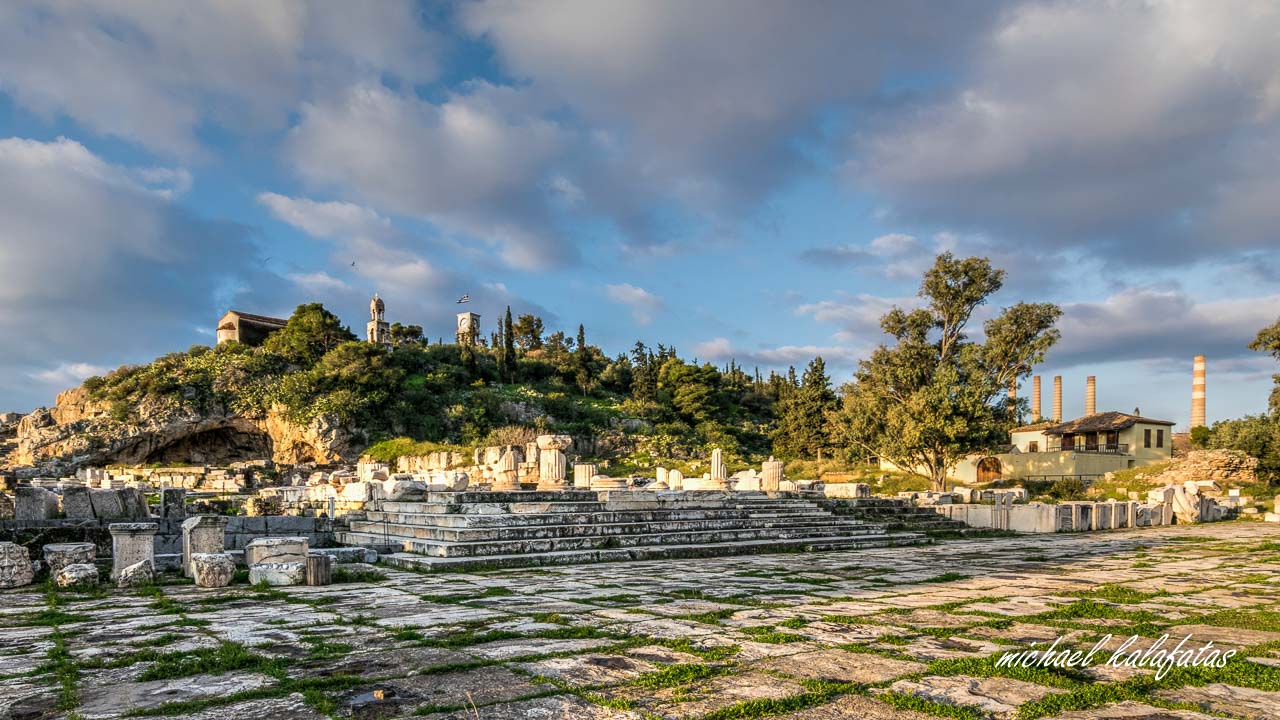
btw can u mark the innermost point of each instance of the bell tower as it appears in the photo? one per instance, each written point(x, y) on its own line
point(378, 331)
point(468, 328)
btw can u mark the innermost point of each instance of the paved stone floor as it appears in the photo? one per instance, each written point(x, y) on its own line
point(903, 633)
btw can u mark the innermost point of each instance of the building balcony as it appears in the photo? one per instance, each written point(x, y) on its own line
point(1100, 448)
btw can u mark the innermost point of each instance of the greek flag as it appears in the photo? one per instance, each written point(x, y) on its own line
point(463, 299)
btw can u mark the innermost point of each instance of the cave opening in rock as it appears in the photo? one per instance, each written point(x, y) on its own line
point(218, 446)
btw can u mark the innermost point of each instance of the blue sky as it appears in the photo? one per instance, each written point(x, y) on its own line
point(758, 181)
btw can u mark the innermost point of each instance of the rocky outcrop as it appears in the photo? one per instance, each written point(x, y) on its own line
point(1220, 466)
point(80, 431)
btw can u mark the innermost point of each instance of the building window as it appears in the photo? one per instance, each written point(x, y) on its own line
point(1033, 446)
point(1146, 438)
point(1159, 438)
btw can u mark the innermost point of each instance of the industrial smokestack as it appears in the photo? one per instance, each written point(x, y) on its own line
point(1057, 398)
point(1090, 395)
point(1035, 398)
point(1197, 393)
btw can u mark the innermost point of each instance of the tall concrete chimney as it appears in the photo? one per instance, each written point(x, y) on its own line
point(1057, 398)
point(1090, 395)
point(1197, 393)
point(1035, 398)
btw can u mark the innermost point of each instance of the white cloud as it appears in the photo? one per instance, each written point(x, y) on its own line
point(721, 350)
point(709, 104)
point(644, 304)
point(480, 164)
point(96, 264)
point(154, 72)
point(1142, 131)
point(68, 374)
point(1161, 325)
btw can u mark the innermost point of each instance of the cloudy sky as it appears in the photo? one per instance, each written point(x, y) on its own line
point(758, 181)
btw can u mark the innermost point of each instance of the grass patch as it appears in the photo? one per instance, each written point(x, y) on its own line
point(227, 656)
point(946, 577)
point(346, 575)
point(903, 701)
point(766, 634)
point(1117, 593)
point(678, 674)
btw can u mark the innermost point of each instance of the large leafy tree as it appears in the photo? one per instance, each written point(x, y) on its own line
point(1268, 341)
point(310, 332)
point(935, 396)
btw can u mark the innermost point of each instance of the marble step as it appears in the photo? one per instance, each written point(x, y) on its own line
point(585, 518)
point(411, 561)
point(524, 532)
point(436, 548)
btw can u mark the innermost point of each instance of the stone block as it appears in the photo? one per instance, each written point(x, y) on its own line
point(319, 569)
point(212, 570)
point(60, 555)
point(76, 504)
point(139, 573)
point(279, 573)
point(206, 534)
point(6, 507)
point(348, 554)
point(34, 504)
point(134, 504)
point(76, 575)
point(132, 544)
point(106, 504)
point(397, 490)
point(15, 566)
point(173, 502)
point(276, 550)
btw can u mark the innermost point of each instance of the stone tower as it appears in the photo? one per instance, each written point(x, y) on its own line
point(468, 328)
point(378, 331)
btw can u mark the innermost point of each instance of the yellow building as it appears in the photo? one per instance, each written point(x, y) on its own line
point(1086, 448)
point(247, 328)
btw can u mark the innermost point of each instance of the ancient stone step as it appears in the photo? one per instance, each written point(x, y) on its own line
point(503, 546)
point(435, 519)
point(410, 561)
point(541, 531)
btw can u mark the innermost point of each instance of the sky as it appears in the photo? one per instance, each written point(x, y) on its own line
point(757, 181)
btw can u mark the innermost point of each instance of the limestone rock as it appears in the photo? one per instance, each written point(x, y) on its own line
point(6, 507)
point(15, 566)
point(76, 575)
point(60, 555)
point(139, 573)
point(212, 570)
point(279, 573)
point(79, 431)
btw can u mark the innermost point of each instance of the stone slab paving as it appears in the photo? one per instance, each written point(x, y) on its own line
point(883, 633)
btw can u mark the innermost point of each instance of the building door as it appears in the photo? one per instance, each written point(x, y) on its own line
point(988, 469)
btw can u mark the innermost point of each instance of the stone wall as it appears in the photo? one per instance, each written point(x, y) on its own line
point(240, 531)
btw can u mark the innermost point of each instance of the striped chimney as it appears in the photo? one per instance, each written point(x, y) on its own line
point(1035, 398)
point(1090, 395)
point(1057, 398)
point(1197, 393)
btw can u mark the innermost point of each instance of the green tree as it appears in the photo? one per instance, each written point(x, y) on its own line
point(802, 415)
point(509, 348)
point(528, 332)
point(1268, 341)
point(405, 334)
point(935, 396)
point(310, 332)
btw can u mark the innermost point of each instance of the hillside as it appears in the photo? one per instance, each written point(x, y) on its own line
point(314, 393)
